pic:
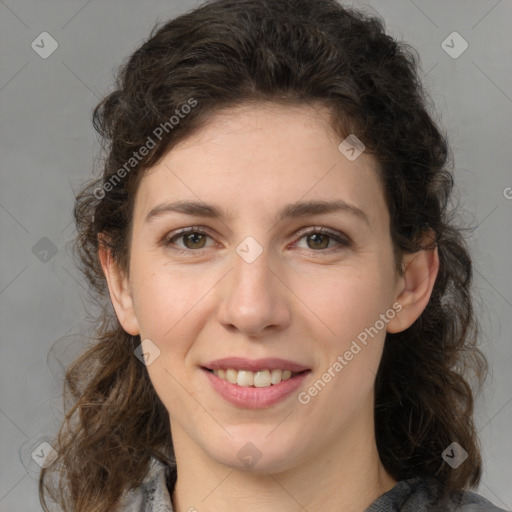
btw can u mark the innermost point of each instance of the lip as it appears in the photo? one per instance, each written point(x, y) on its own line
point(254, 398)
point(254, 365)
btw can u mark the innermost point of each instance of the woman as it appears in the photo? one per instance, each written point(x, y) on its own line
point(290, 299)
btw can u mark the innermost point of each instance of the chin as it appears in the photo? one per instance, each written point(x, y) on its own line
point(257, 452)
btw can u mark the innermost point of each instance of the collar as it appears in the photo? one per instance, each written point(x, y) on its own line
point(154, 494)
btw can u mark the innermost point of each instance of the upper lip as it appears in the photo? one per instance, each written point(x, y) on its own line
point(268, 363)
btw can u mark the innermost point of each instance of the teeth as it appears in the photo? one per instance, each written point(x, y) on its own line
point(262, 379)
point(231, 376)
point(275, 376)
point(246, 378)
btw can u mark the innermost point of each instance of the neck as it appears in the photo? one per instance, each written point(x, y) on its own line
point(343, 476)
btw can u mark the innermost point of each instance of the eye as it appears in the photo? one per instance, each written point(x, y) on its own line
point(319, 238)
point(193, 238)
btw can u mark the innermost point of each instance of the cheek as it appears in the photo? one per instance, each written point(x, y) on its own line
point(351, 307)
point(165, 296)
point(347, 301)
point(168, 304)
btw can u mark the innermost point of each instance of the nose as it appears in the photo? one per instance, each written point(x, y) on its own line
point(255, 298)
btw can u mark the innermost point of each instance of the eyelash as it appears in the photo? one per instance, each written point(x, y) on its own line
point(168, 239)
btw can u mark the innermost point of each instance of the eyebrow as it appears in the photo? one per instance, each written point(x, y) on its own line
point(292, 210)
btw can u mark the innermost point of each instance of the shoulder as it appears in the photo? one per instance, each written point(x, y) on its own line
point(413, 495)
point(153, 494)
point(473, 502)
point(423, 495)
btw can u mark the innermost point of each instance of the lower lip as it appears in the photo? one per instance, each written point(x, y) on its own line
point(255, 398)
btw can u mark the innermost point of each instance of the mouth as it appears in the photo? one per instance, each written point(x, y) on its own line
point(254, 379)
point(247, 389)
point(255, 373)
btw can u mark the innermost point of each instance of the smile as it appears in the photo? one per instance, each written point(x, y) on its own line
point(249, 396)
point(259, 379)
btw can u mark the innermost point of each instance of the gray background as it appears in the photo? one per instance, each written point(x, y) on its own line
point(48, 149)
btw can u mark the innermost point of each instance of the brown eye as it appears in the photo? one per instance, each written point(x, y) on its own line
point(186, 240)
point(194, 240)
point(318, 241)
point(321, 240)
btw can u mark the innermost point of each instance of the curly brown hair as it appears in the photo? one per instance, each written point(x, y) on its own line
point(231, 52)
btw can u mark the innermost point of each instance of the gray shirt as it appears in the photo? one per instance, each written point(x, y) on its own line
point(413, 495)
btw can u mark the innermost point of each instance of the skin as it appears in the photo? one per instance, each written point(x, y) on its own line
point(298, 300)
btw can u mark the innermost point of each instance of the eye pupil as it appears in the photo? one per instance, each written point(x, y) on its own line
point(316, 237)
point(194, 238)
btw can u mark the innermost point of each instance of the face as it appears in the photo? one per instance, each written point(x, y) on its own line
point(262, 280)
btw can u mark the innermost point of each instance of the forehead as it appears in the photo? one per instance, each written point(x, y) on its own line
point(251, 160)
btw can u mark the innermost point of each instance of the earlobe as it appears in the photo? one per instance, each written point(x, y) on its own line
point(118, 288)
point(415, 287)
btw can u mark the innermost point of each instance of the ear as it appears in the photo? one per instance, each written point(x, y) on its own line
point(414, 288)
point(118, 288)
